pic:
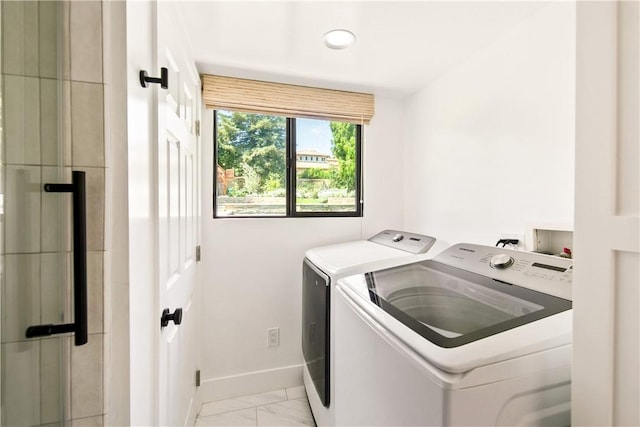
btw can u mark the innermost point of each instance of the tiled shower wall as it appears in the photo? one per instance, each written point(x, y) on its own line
point(52, 123)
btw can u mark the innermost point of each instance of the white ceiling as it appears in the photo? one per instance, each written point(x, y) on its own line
point(400, 47)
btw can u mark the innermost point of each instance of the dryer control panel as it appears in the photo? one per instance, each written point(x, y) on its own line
point(542, 273)
point(410, 242)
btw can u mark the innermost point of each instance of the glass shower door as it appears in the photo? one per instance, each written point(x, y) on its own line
point(35, 238)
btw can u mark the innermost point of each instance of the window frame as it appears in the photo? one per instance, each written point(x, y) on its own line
point(291, 176)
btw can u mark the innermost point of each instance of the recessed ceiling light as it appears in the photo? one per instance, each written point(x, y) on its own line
point(339, 39)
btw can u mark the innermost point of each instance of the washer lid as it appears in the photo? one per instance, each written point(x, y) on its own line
point(381, 251)
point(451, 307)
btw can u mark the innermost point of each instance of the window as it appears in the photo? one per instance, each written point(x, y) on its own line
point(255, 179)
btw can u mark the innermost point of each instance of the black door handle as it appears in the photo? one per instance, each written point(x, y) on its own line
point(79, 326)
point(163, 80)
point(167, 316)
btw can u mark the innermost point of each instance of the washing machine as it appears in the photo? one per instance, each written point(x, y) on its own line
point(477, 335)
point(321, 269)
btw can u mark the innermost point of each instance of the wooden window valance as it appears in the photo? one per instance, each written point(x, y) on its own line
point(253, 96)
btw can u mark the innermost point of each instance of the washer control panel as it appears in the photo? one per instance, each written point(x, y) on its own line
point(544, 273)
point(410, 242)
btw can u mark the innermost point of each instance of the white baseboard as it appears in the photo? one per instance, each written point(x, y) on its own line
point(250, 383)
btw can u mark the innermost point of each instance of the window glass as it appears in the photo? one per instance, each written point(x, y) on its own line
point(254, 178)
point(326, 182)
point(251, 164)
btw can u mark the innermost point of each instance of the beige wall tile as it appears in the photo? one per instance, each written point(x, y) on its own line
point(12, 37)
point(56, 212)
point(87, 129)
point(23, 189)
point(50, 128)
point(95, 208)
point(95, 297)
point(65, 18)
point(20, 38)
point(30, 30)
point(66, 123)
point(55, 287)
point(86, 41)
point(51, 386)
point(86, 378)
point(21, 406)
point(22, 120)
point(48, 37)
point(20, 295)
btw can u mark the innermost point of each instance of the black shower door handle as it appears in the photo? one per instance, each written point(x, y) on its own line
point(79, 326)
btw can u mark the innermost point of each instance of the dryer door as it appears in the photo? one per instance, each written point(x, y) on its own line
point(315, 327)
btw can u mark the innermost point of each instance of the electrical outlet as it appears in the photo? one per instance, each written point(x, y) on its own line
point(273, 337)
point(513, 236)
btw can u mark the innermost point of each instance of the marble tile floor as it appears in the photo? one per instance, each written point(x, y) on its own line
point(286, 407)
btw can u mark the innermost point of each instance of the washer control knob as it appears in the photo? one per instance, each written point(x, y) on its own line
point(397, 237)
point(501, 261)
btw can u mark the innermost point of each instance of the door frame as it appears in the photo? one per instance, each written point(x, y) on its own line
point(142, 128)
point(117, 300)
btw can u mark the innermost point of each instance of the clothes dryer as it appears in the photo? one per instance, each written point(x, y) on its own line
point(477, 335)
point(322, 268)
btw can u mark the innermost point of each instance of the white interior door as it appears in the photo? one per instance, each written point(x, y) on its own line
point(606, 293)
point(178, 219)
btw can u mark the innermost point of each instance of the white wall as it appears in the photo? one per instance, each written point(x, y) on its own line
point(382, 168)
point(490, 145)
point(253, 268)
